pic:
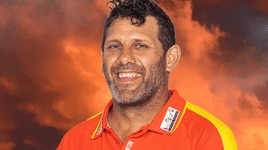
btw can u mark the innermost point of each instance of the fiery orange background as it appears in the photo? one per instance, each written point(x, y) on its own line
point(50, 66)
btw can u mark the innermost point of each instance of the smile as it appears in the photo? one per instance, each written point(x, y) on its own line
point(129, 75)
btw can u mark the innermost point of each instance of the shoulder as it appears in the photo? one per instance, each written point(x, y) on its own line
point(200, 123)
point(83, 129)
point(88, 125)
point(202, 117)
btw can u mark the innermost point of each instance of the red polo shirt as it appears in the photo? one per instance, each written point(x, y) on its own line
point(178, 126)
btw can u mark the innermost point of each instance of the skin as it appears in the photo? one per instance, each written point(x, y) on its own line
point(137, 71)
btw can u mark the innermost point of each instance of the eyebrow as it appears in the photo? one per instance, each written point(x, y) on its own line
point(134, 40)
point(139, 40)
point(113, 40)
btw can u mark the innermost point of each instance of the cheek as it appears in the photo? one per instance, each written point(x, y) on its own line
point(109, 58)
point(107, 73)
point(107, 62)
point(155, 65)
point(149, 61)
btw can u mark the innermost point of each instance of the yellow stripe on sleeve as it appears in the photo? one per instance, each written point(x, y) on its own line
point(226, 134)
point(94, 116)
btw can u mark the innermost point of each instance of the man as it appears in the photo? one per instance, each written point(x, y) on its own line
point(139, 51)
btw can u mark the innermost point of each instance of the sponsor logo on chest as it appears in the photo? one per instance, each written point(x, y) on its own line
point(169, 119)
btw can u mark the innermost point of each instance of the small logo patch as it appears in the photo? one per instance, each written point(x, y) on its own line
point(169, 119)
point(129, 145)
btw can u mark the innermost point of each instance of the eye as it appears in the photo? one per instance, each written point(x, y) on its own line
point(140, 46)
point(113, 46)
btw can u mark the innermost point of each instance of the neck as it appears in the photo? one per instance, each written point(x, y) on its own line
point(126, 120)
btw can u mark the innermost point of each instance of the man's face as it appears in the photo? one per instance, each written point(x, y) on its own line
point(134, 61)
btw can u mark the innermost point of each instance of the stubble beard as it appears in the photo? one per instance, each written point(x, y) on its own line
point(148, 89)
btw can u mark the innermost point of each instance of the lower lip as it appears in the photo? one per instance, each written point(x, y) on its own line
point(126, 79)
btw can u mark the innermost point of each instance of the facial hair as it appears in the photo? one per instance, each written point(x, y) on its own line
point(146, 91)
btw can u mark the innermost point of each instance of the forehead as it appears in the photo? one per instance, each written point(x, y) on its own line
point(123, 26)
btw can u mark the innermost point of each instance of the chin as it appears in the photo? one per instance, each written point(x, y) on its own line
point(132, 100)
point(137, 103)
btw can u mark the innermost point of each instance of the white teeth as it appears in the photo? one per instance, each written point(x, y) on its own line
point(128, 75)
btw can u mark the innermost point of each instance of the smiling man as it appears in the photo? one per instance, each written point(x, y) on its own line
point(139, 51)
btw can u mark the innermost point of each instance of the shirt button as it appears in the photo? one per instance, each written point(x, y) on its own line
point(117, 142)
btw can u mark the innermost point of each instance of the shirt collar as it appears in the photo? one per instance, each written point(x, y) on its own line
point(103, 124)
point(165, 122)
point(168, 119)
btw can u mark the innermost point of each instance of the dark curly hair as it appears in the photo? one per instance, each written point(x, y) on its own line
point(137, 11)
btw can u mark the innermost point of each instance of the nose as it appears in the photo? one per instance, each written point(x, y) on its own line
point(125, 57)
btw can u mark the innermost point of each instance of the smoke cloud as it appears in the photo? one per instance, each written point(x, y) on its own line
point(50, 66)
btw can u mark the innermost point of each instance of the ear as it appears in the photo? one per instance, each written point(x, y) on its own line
point(172, 57)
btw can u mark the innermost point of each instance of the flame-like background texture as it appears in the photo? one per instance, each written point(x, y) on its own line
point(50, 66)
